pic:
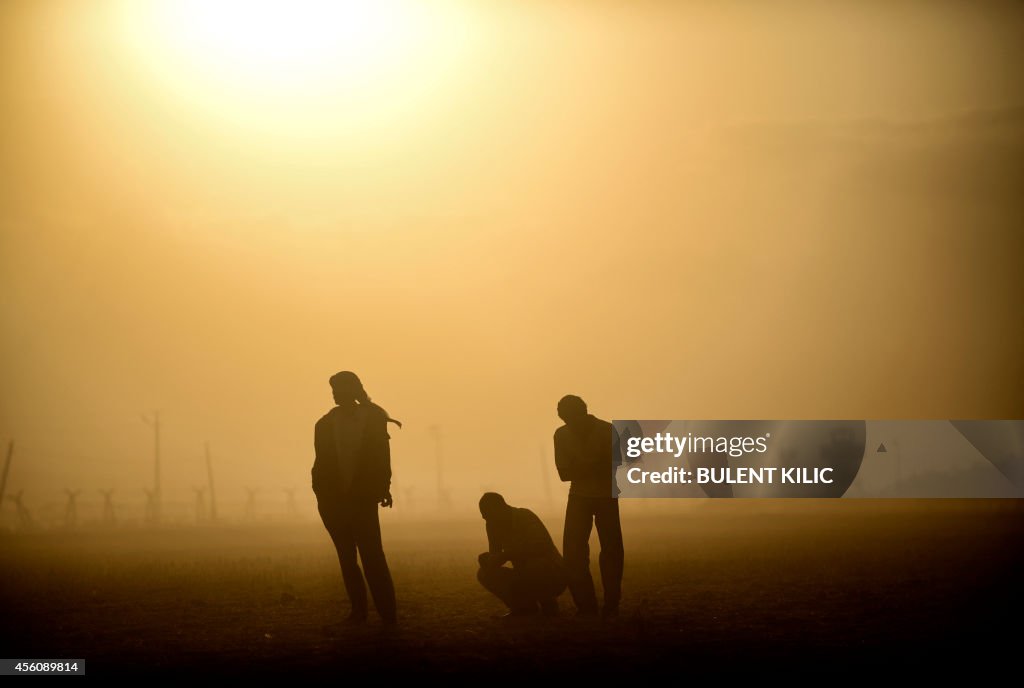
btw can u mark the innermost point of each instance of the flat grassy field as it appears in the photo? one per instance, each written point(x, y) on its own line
point(821, 588)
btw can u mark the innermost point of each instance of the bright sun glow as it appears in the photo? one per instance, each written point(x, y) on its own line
point(247, 59)
point(297, 43)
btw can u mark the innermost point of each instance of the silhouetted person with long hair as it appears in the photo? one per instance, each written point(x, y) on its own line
point(351, 476)
point(586, 452)
point(517, 536)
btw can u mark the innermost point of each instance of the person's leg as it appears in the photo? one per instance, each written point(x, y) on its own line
point(576, 552)
point(609, 532)
point(549, 606)
point(544, 581)
point(506, 585)
point(339, 525)
point(371, 551)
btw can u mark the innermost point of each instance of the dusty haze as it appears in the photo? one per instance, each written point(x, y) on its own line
point(711, 210)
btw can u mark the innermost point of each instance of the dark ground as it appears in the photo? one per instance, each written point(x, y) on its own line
point(824, 589)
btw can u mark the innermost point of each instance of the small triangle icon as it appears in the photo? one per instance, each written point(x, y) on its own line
point(881, 449)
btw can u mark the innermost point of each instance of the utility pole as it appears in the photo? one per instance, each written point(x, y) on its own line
point(155, 423)
point(156, 467)
point(443, 498)
point(25, 522)
point(150, 506)
point(71, 509)
point(200, 504)
point(250, 503)
point(292, 509)
point(7, 467)
point(209, 479)
point(109, 519)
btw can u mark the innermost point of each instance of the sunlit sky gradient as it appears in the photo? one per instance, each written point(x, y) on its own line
point(697, 210)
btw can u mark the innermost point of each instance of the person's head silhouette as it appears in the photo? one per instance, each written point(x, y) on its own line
point(572, 410)
point(347, 388)
point(492, 506)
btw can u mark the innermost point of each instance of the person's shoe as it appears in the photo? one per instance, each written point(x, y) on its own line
point(521, 613)
point(549, 607)
point(609, 611)
point(586, 612)
point(389, 620)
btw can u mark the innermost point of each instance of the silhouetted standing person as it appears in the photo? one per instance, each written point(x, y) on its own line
point(537, 576)
point(585, 454)
point(351, 476)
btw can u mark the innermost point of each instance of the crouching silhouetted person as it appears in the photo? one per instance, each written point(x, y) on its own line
point(537, 575)
point(351, 476)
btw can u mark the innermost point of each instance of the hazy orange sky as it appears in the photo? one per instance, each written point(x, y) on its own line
point(697, 210)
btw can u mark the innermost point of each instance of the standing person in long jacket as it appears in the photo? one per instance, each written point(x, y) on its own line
point(351, 477)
